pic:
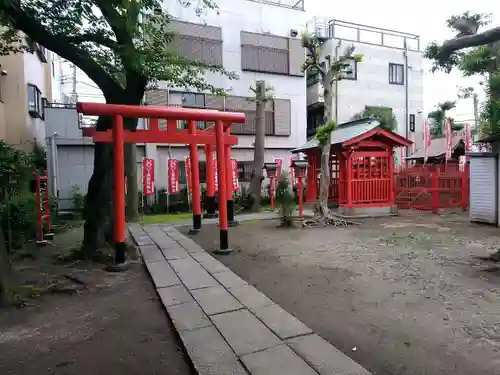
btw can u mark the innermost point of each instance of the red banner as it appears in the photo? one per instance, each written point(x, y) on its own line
point(173, 176)
point(448, 136)
point(187, 164)
point(216, 176)
point(280, 165)
point(148, 176)
point(294, 180)
point(234, 167)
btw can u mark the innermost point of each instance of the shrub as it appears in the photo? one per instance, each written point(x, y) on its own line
point(285, 198)
point(77, 198)
point(19, 218)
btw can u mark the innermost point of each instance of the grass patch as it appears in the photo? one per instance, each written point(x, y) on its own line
point(166, 218)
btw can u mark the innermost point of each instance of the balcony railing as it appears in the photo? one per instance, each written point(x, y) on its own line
point(292, 4)
point(354, 32)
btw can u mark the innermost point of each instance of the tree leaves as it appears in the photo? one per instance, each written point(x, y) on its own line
point(119, 44)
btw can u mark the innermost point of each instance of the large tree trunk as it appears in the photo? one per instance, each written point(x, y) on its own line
point(5, 267)
point(97, 212)
point(259, 146)
point(324, 181)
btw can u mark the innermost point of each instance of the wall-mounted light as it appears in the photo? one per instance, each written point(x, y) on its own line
point(293, 33)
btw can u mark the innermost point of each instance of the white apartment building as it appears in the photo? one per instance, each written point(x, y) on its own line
point(259, 40)
point(25, 85)
point(390, 75)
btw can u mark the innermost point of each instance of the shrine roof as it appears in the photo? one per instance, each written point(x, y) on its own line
point(352, 130)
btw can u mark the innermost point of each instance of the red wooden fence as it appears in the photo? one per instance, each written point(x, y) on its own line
point(432, 187)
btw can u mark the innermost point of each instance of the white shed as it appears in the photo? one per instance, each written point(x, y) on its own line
point(483, 187)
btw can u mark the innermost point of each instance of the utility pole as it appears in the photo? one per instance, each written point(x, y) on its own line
point(407, 95)
point(476, 111)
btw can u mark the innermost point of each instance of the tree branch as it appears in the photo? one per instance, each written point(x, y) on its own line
point(96, 38)
point(466, 41)
point(60, 45)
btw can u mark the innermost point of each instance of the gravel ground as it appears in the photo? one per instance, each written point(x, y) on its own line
point(402, 295)
point(117, 327)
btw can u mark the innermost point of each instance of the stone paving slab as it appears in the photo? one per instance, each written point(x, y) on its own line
point(244, 332)
point(229, 279)
point(162, 274)
point(174, 253)
point(280, 322)
point(210, 354)
point(188, 316)
point(250, 296)
point(325, 358)
point(151, 253)
point(277, 360)
point(216, 300)
point(174, 295)
point(227, 326)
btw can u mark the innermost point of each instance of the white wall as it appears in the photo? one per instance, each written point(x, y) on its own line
point(34, 73)
point(242, 15)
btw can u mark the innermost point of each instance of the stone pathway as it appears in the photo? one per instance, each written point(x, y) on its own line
point(226, 325)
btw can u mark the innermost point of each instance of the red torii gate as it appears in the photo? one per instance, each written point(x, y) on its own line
point(219, 135)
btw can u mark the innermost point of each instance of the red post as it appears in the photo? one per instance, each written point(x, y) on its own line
point(39, 216)
point(435, 191)
point(392, 177)
point(301, 197)
point(195, 180)
point(349, 182)
point(210, 177)
point(311, 191)
point(221, 174)
point(47, 202)
point(272, 188)
point(229, 175)
point(465, 186)
point(119, 191)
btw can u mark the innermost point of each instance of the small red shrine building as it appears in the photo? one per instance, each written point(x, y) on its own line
point(361, 165)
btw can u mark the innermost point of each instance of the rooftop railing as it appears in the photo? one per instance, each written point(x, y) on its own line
point(354, 32)
point(292, 4)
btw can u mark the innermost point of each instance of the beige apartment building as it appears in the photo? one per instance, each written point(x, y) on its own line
point(25, 88)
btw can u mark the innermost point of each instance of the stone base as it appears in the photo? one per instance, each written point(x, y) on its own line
point(361, 212)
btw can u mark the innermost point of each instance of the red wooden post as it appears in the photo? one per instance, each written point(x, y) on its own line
point(311, 188)
point(349, 181)
point(229, 183)
point(221, 174)
point(272, 188)
point(210, 177)
point(195, 180)
point(465, 186)
point(392, 177)
point(119, 192)
point(39, 216)
point(47, 202)
point(301, 197)
point(435, 191)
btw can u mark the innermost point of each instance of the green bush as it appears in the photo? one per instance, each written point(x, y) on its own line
point(285, 198)
point(77, 198)
point(19, 217)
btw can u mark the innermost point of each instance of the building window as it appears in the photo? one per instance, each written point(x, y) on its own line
point(202, 50)
point(245, 169)
point(313, 76)
point(35, 105)
point(350, 69)
point(193, 100)
point(264, 59)
point(396, 74)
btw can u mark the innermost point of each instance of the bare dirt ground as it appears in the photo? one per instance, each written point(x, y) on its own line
point(114, 325)
point(402, 295)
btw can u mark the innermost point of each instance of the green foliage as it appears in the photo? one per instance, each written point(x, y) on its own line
point(384, 115)
point(123, 46)
point(285, 198)
point(438, 116)
point(77, 198)
point(324, 131)
point(19, 217)
point(490, 109)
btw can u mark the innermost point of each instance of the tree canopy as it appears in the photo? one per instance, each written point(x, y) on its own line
point(122, 45)
point(384, 115)
point(473, 53)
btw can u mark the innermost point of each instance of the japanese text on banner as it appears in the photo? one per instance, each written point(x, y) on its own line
point(148, 176)
point(173, 176)
point(234, 167)
point(187, 164)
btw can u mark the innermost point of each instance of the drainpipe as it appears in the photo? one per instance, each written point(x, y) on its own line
point(407, 96)
point(337, 48)
point(53, 162)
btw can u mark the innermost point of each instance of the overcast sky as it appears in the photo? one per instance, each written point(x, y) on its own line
point(425, 18)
